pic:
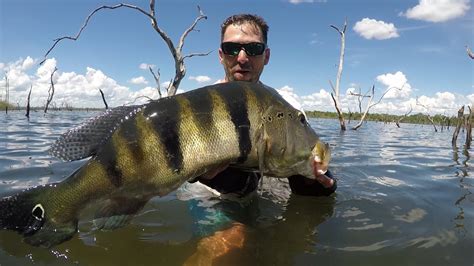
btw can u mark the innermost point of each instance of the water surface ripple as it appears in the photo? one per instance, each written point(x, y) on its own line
point(404, 198)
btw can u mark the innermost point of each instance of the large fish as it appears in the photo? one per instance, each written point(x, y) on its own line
point(138, 152)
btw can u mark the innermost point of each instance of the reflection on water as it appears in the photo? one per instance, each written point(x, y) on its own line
point(404, 197)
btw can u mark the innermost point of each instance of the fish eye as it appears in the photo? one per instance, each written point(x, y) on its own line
point(302, 118)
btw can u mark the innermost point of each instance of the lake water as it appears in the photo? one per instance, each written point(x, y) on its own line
point(404, 198)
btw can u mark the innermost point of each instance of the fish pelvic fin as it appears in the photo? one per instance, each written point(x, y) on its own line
point(25, 213)
point(117, 212)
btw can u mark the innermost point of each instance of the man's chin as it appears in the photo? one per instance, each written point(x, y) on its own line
point(242, 77)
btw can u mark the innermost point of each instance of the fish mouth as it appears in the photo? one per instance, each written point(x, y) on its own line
point(319, 173)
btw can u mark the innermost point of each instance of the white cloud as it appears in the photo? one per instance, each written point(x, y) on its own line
point(82, 90)
point(397, 84)
point(28, 63)
point(375, 29)
point(445, 103)
point(290, 96)
point(438, 10)
point(200, 79)
point(73, 89)
point(145, 66)
point(318, 101)
point(306, 1)
point(471, 98)
point(139, 81)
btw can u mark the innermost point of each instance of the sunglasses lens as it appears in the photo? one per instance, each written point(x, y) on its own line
point(252, 49)
point(231, 48)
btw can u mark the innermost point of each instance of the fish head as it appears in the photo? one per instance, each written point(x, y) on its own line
point(289, 146)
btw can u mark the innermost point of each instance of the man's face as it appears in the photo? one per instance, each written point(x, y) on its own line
point(243, 67)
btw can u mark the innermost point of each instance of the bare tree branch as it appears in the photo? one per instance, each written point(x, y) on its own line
point(403, 117)
point(366, 110)
point(157, 80)
point(50, 91)
point(196, 54)
point(176, 52)
point(469, 52)
point(86, 22)
point(103, 99)
point(336, 88)
point(28, 103)
point(178, 57)
point(370, 104)
point(458, 126)
point(469, 128)
point(191, 28)
point(427, 115)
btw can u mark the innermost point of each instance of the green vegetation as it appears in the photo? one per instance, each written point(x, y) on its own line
point(4, 104)
point(387, 118)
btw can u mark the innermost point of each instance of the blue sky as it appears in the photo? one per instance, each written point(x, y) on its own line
point(417, 44)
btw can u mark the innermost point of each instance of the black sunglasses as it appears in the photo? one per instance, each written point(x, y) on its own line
point(251, 49)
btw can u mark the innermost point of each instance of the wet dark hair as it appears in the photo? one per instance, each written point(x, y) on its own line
point(240, 19)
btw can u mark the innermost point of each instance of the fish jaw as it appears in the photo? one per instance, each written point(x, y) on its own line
point(321, 156)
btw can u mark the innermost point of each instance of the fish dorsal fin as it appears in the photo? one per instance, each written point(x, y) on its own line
point(86, 139)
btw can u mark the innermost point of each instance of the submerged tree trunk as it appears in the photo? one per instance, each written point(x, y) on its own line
point(469, 129)
point(458, 126)
point(50, 92)
point(403, 117)
point(103, 99)
point(28, 103)
point(336, 88)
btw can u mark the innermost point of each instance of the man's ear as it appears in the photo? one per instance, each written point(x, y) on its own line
point(267, 55)
point(221, 55)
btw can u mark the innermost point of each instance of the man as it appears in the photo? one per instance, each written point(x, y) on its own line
point(243, 54)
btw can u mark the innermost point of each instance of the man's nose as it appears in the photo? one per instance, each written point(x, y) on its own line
point(242, 57)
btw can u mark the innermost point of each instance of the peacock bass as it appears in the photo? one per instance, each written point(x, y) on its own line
point(138, 152)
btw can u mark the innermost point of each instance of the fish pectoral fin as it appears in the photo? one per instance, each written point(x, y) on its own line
point(213, 172)
point(117, 212)
point(52, 234)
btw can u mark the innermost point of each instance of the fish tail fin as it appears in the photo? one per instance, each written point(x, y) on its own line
point(25, 213)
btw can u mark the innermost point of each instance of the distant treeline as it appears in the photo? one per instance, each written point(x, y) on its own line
point(3, 106)
point(387, 118)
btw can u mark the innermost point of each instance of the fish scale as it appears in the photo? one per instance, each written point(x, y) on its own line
point(138, 152)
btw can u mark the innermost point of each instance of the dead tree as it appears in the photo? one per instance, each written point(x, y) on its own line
point(427, 114)
point(469, 52)
point(369, 103)
point(336, 89)
point(7, 93)
point(157, 80)
point(176, 51)
point(403, 117)
point(350, 116)
point(50, 91)
point(458, 126)
point(103, 99)
point(469, 128)
point(28, 103)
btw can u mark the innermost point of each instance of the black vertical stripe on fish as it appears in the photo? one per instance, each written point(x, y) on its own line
point(167, 128)
point(114, 173)
point(201, 106)
point(129, 133)
point(236, 102)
